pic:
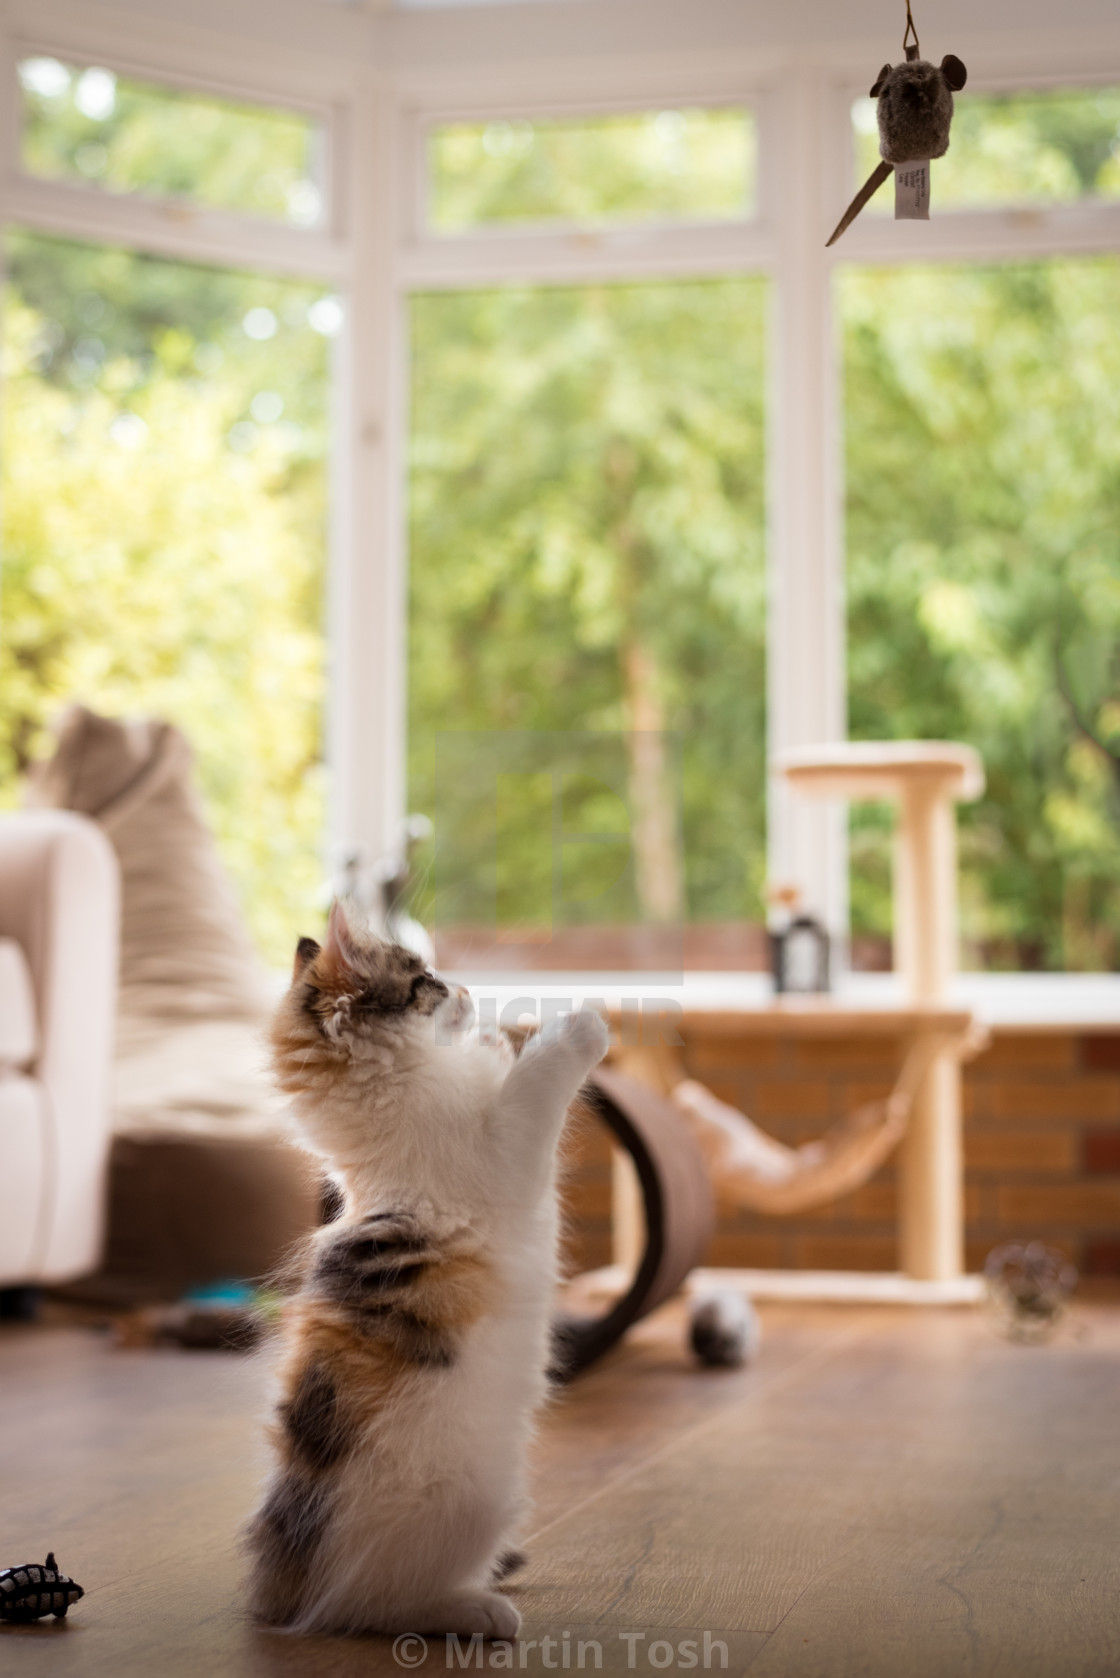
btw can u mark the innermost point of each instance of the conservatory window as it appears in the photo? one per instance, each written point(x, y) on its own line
point(587, 564)
point(676, 164)
point(983, 577)
point(1014, 149)
point(164, 514)
point(86, 125)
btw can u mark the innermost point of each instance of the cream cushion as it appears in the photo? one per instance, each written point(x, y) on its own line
point(203, 1180)
point(59, 906)
point(25, 1198)
point(185, 949)
point(18, 1035)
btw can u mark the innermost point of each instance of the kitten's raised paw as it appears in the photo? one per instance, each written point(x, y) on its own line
point(484, 1614)
point(587, 1032)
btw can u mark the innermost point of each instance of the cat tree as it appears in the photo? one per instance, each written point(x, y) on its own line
point(925, 779)
point(922, 1115)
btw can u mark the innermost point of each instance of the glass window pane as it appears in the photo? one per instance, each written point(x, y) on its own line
point(587, 556)
point(164, 445)
point(1016, 148)
point(983, 537)
point(645, 166)
point(87, 124)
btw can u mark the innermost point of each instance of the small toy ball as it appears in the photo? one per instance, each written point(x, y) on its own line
point(723, 1329)
point(30, 1592)
point(1028, 1287)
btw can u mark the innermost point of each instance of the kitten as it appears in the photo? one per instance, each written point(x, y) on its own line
point(416, 1349)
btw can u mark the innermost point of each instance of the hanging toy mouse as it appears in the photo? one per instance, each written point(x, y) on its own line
point(915, 110)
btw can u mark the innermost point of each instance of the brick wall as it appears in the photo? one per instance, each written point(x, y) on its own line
point(1042, 1150)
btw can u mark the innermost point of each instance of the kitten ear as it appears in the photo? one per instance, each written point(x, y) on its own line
point(306, 951)
point(340, 948)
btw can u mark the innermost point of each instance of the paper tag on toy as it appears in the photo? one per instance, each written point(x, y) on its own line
point(911, 191)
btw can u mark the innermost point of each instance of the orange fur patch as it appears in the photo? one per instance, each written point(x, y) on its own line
point(454, 1293)
point(367, 1371)
point(302, 1058)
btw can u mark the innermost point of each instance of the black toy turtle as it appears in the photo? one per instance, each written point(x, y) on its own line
point(32, 1590)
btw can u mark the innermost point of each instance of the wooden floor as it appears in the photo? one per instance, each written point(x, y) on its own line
point(885, 1494)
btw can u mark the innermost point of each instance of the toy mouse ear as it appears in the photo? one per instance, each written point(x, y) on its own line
point(954, 72)
point(881, 78)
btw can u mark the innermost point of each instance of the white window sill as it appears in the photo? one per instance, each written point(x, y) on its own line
point(1008, 1001)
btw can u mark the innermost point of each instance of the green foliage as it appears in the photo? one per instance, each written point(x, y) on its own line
point(1015, 148)
point(587, 475)
point(163, 519)
point(131, 136)
point(533, 830)
point(983, 407)
point(640, 167)
point(586, 516)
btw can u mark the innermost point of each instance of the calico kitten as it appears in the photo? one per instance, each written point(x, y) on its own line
point(416, 1349)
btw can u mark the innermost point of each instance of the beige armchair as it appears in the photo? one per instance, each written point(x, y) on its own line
point(204, 1184)
point(59, 932)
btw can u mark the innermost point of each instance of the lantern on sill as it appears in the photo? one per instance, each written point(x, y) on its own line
point(799, 946)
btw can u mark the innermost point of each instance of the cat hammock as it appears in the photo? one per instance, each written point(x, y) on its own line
point(751, 1170)
point(641, 1099)
point(756, 1172)
point(674, 1167)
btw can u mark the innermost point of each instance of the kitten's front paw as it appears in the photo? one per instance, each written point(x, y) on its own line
point(588, 1033)
point(487, 1614)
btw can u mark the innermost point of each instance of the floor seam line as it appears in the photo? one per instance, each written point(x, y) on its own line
point(818, 1355)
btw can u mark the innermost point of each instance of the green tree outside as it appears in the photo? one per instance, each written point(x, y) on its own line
point(587, 550)
point(586, 515)
point(163, 537)
point(983, 543)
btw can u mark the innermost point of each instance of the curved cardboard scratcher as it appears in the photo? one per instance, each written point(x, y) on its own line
point(679, 1213)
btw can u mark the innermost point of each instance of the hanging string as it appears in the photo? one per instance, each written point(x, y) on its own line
point(911, 29)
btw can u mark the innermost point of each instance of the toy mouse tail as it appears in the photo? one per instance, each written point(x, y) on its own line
point(867, 191)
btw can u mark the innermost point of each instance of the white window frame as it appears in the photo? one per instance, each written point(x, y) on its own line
point(549, 251)
point(318, 63)
point(379, 80)
point(180, 227)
